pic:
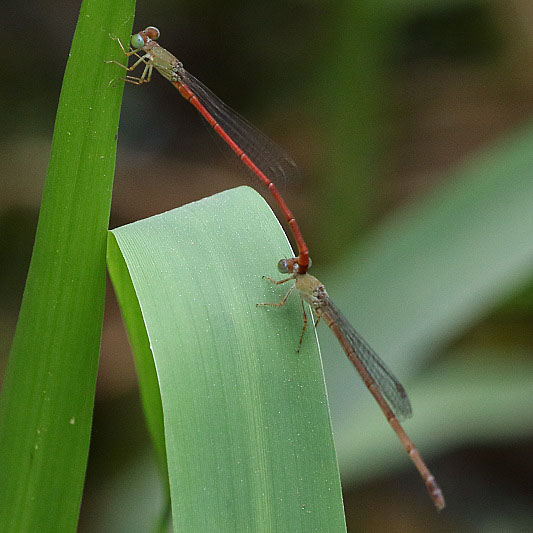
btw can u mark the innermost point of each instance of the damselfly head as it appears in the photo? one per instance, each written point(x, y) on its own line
point(288, 266)
point(143, 37)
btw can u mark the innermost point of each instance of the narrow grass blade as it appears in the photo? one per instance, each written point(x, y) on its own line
point(47, 395)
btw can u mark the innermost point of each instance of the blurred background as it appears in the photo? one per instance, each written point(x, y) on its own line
point(411, 124)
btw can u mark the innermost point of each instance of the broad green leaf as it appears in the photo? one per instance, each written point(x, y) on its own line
point(144, 362)
point(47, 395)
point(246, 419)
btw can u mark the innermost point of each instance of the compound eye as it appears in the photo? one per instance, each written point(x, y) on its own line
point(152, 32)
point(283, 267)
point(137, 41)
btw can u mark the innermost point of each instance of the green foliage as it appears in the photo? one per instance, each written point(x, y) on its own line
point(417, 282)
point(240, 417)
point(47, 396)
point(246, 419)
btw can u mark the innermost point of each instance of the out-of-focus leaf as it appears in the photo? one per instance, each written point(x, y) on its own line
point(432, 270)
point(477, 394)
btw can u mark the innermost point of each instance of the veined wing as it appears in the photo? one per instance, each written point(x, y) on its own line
point(391, 389)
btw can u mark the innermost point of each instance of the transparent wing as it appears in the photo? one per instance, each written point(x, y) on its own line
point(391, 389)
point(265, 153)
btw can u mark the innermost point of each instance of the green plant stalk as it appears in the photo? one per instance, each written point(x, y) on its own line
point(48, 393)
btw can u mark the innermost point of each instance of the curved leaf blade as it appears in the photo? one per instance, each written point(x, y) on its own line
point(247, 426)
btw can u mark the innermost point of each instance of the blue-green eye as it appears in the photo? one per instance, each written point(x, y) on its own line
point(283, 267)
point(136, 41)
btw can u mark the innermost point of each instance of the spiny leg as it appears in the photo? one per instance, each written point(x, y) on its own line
point(130, 53)
point(146, 59)
point(304, 328)
point(283, 300)
point(278, 282)
point(145, 77)
point(142, 59)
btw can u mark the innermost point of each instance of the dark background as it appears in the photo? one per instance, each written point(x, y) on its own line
point(376, 104)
